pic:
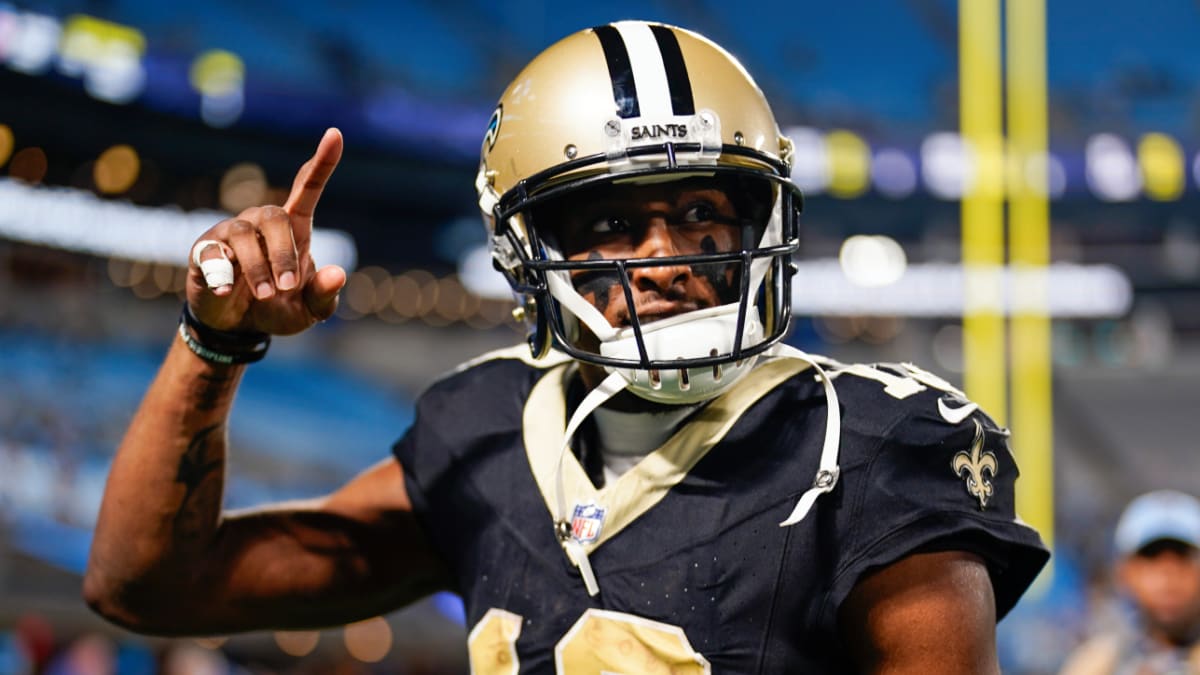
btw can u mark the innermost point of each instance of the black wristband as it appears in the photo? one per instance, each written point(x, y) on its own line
point(220, 346)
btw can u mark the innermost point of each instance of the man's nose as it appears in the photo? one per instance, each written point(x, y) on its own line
point(658, 243)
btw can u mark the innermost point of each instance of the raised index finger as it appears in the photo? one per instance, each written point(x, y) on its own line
point(309, 183)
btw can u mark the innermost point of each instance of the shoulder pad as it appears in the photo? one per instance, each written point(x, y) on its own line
point(895, 398)
point(518, 352)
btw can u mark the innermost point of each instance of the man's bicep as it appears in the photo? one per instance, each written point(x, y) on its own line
point(926, 613)
point(354, 554)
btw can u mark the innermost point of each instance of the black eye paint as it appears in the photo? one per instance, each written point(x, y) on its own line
point(716, 274)
point(599, 282)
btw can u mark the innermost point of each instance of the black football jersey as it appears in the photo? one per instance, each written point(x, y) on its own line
point(695, 572)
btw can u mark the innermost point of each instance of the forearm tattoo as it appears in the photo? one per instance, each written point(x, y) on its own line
point(212, 390)
point(195, 466)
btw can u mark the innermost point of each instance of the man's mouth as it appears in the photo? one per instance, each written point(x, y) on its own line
point(658, 310)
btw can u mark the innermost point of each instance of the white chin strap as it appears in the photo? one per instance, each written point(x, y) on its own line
point(824, 482)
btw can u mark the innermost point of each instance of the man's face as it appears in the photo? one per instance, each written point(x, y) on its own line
point(683, 217)
point(1164, 580)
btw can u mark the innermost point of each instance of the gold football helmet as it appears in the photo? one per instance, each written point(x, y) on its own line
point(637, 103)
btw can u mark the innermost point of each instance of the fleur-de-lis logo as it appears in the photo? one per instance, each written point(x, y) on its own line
point(977, 467)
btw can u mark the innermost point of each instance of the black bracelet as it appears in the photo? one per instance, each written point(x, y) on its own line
point(220, 346)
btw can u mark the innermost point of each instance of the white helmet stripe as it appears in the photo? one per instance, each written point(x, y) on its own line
point(649, 74)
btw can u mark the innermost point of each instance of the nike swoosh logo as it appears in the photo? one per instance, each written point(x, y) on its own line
point(955, 415)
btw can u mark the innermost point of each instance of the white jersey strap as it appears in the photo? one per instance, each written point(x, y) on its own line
point(827, 470)
point(608, 387)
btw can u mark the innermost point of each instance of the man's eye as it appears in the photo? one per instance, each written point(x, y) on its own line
point(612, 225)
point(699, 213)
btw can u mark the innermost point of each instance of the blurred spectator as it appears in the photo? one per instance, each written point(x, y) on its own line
point(36, 637)
point(1158, 568)
point(90, 654)
point(14, 655)
point(188, 659)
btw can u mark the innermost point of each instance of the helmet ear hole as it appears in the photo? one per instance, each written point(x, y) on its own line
point(540, 337)
point(753, 197)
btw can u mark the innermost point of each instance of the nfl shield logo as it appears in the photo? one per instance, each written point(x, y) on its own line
point(586, 522)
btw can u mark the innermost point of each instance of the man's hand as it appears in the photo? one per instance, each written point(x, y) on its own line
point(275, 287)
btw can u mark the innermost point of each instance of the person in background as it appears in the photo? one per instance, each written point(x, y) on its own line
point(1158, 567)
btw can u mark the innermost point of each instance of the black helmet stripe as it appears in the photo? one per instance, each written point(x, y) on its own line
point(677, 76)
point(621, 70)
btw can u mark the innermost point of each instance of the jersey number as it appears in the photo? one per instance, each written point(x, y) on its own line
point(600, 643)
point(912, 381)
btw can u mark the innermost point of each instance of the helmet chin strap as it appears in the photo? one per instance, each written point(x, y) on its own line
point(568, 297)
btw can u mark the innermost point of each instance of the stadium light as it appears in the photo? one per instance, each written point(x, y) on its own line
point(893, 174)
point(872, 261)
point(944, 166)
point(32, 40)
point(116, 169)
point(369, 641)
point(849, 164)
point(77, 220)
point(810, 170)
point(1112, 172)
point(107, 55)
point(1163, 166)
point(7, 142)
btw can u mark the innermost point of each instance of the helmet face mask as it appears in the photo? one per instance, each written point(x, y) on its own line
point(556, 146)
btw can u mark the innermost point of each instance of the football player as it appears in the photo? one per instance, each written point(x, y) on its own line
point(654, 483)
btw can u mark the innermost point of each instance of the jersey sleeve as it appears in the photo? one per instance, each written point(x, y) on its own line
point(425, 465)
point(465, 433)
point(419, 469)
point(932, 481)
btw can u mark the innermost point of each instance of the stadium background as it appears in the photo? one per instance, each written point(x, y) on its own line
point(128, 126)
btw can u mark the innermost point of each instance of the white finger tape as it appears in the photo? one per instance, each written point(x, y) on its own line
point(217, 271)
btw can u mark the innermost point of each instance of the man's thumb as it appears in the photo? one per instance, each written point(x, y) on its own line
point(321, 295)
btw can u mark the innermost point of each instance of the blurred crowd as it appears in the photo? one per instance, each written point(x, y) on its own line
point(33, 646)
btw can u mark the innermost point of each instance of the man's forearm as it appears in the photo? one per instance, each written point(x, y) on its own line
point(162, 504)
